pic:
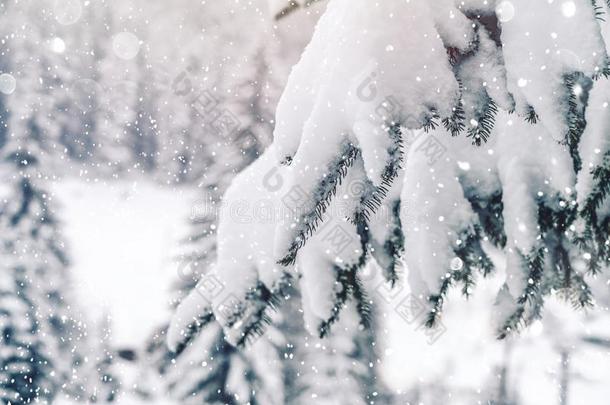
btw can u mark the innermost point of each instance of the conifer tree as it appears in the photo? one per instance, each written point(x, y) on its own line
point(95, 379)
point(24, 368)
point(252, 74)
point(463, 119)
point(340, 369)
point(33, 247)
point(213, 371)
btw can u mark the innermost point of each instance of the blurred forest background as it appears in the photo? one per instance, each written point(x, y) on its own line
point(177, 97)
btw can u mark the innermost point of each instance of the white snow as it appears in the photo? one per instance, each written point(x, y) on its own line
point(539, 55)
point(121, 237)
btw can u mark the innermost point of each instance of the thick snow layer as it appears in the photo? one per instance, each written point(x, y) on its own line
point(526, 177)
point(434, 214)
point(357, 63)
point(538, 56)
point(259, 198)
point(353, 62)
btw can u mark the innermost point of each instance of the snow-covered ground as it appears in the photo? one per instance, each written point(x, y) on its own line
point(122, 237)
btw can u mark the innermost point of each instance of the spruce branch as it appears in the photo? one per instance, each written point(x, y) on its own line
point(259, 303)
point(530, 302)
point(554, 224)
point(291, 7)
point(193, 329)
point(598, 10)
point(535, 265)
point(604, 72)
point(348, 284)
point(596, 242)
point(601, 189)
point(579, 294)
point(363, 302)
point(481, 127)
point(342, 293)
point(430, 122)
point(471, 258)
point(374, 197)
point(454, 124)
point(437, 300)
point(595, 239)
point(531, 116)
point(491, 218)
point(394, 246)
point(577, 86)
point(326, 190)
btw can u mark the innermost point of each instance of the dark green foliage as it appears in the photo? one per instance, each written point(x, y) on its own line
point(531, 116)
point(193, 329)
point(485, 121)
point(342, 294)
point(430, 122)
point(202, 375)
point(259, 302)
point(601, 177)
point(549, 267)
point(598, 10)
point(33, 253)
point(529, 303)
point(578, 86)
point(489, 211)
point(374, 197)
point(389, 254)
point(546, 269)
point(327, 189)
point(348, 285)
point(534, 264)
point(604, 72)
point(24, 369)
point(554, 226)
point(595, 238)
point(455, 123)
point(482, 116)
point(472, 259)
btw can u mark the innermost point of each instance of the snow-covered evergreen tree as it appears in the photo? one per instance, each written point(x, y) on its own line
point(340, 369)
point(33, 247)
point(213, 371)
point(95, 378)
point(463, 96)
point(252, 76)
point(113, 90)
point(24, 369)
